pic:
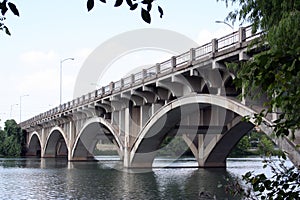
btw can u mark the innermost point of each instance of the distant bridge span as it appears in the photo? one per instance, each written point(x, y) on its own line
point(191, 96)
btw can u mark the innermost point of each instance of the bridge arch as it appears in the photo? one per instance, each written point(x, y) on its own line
point(34, 145)
point(214, 154)
point(56, 144)
point(94, 129)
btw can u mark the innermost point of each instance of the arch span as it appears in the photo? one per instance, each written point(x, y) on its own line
point(92, 131)
point(216, 151)
point(34, 145)
point(56, 144)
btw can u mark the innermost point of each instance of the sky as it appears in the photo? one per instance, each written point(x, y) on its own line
point(50, 31)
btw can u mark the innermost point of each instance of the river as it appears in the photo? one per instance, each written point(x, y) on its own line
point(34, 178)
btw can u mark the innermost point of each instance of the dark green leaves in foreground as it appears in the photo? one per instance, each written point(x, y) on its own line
point(4, 7)
point(145, 5)
point(146, 16)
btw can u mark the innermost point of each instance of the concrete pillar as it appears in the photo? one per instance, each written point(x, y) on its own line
point(115, 117)
point(134, 122)
point(173, 61)
point(192, 55)
point(242, 34)
point(71, 140)
point(214, 45)
point(43, 142)
point(146, 113)
point(127, 138)
point(121, 122)
point(157, 68)
point(154, 108)
point(201, 155)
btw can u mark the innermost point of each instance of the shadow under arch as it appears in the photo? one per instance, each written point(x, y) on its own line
point(92, 131)
point(215, 152)
point(34, 145)
point(56, 144)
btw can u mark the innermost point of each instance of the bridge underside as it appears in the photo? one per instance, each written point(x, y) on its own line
point(89, 137)
point(56, 146)
point(211, 132)
point(34, 147)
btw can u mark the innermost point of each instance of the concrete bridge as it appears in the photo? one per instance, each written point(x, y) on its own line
point(191, 95)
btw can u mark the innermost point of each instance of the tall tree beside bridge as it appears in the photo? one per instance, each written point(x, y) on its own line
point(11, 139)
point(275, 72)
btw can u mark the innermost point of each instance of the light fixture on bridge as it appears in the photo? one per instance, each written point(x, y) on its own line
point(60, 82)
point(223, 22)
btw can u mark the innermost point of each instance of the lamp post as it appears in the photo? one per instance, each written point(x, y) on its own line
point(60, 83)
point(223, 22)
point(25, 95)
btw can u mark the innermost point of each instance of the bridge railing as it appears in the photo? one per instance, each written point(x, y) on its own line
point(208, 49)
point(203, 51)
point(227, 41)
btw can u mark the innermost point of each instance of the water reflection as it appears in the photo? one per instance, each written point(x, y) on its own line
point(59, 179)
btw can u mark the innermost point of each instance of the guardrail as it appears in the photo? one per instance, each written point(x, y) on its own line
point(216, 45)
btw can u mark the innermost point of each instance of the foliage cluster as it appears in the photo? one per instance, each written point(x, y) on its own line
point(11, 140)
point(284, 183)
point(275, 72)
point(255, 144)
point(173, 146)
point(145, 5)
point(4, 7)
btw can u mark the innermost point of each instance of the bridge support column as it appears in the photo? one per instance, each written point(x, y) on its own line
point(43, 143)
point(71, 140)
point(145, 112)
point(126, 162)
point(200, 158)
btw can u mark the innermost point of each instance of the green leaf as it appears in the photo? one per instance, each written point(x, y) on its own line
point(134, 6)
point(90, 4)
point(4, 8)
point(118, 3)
point(147, 1)
point(13, 8)
point(6, 30)
point(129, 2)
point(160, 10)
point(149, 7)
point(146, 16)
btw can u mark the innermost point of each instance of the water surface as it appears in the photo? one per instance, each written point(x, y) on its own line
point(58, 179)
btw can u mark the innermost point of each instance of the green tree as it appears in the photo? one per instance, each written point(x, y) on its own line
point(2, 138)
point(12, 139)
point(144, 5)
point(241, 149)
point(4, 7)
point(274, 72)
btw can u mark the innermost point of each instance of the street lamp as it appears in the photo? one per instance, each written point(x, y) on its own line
point(223, 22)
point(25, 95)
point(60, 85)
